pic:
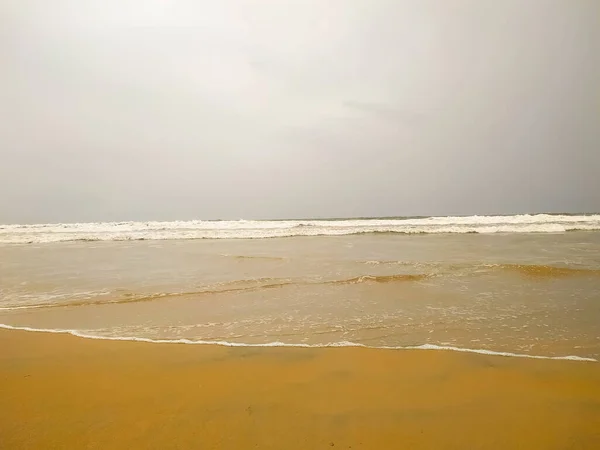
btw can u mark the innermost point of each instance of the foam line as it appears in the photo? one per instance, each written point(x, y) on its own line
point(282, 344)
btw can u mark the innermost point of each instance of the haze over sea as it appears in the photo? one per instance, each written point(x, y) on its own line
point(516, 285)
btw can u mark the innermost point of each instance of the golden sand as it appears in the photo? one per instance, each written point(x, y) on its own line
point(63, 392)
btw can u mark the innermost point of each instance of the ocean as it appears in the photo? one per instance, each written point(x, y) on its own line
point(526, 285)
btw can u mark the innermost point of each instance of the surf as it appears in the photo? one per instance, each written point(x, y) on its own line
point(263, 229)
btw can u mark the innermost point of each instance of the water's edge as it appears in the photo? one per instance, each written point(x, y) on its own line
point(79, 334)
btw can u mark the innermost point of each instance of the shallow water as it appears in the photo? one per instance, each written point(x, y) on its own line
point(532, 294)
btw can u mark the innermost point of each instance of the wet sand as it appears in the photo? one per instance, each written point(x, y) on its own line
point(60, 391)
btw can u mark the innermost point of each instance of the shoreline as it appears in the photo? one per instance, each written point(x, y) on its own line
point(343, 344)
point(58, 391)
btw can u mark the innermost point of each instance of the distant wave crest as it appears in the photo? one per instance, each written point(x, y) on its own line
point(248, 229)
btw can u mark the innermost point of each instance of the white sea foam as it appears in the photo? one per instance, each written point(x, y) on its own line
point(81, 334)
point(249, 229)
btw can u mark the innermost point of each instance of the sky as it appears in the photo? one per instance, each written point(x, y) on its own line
point(193, 109)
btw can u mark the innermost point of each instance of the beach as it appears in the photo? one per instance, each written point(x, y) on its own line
point(230, 335)
point(300, 225)
point(61, 391)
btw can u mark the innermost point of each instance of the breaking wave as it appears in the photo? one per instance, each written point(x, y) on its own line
point(250, 229)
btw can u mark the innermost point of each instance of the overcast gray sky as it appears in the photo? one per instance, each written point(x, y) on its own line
point(181, 109)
